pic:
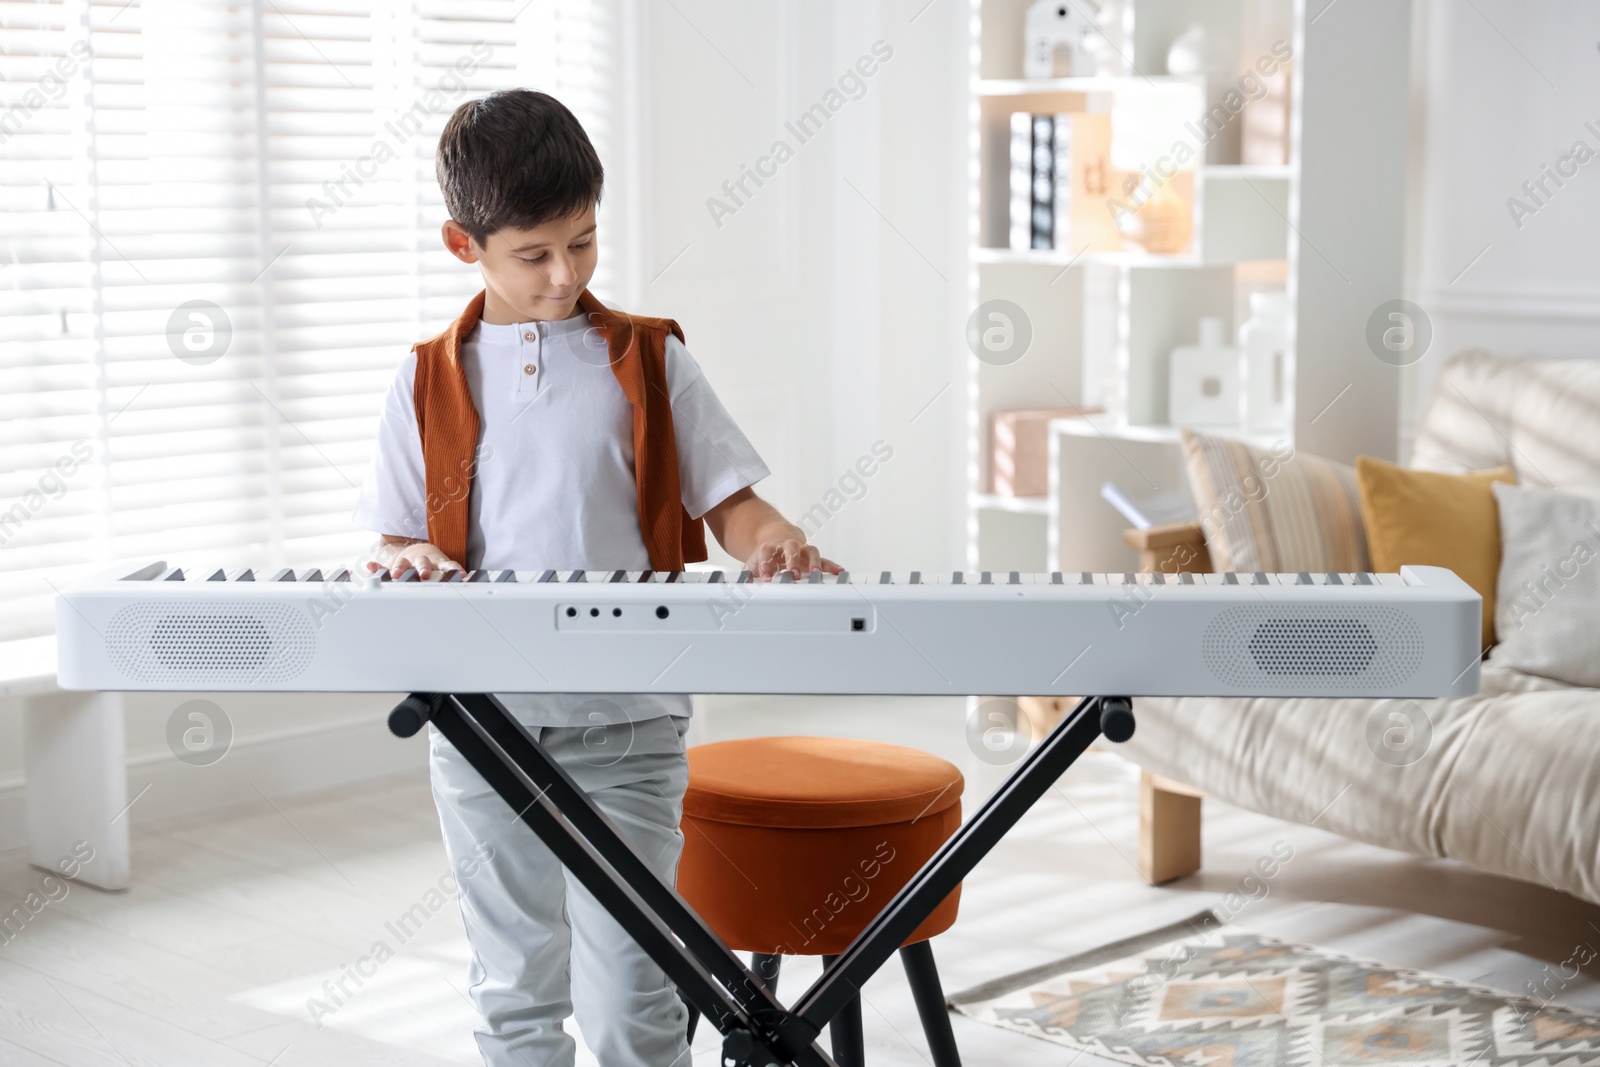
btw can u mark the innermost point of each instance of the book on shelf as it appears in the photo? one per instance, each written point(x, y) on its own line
point(1150, 509)
point(1040, 181)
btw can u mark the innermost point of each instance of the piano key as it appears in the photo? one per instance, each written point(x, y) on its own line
point(1013, 578)
point(218, 575)
point(1332, 578)
point(1303, 578)
point(915, 578)
point(673, 576)
point(618, 576)
point(716, 576)
point(1186, 578)
point(1231, 578)
point(785, 577)
point(577, 576)
point(1389, 579)
point(642, 576)
point(842, 578)
point(312, 575)
point(507, 576)
point(244, 575)
point(451, 575)
point(814, 578)
point(1128, 578)
point(176, 575)
point(1364, 578)
point(958, 578)
point(985, 578)
point(547, 576)
point(1260, 578)
point(285, 575)
point(477, 576)
point(744, 578)
point(1158, 578)
point(408, 575)
point(1056, 578)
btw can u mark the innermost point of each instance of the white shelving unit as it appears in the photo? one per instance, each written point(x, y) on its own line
point(1326, 226)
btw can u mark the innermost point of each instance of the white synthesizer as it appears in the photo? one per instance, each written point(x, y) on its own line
point(1412, 634)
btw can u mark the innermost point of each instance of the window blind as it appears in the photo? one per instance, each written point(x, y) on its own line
point(221, 235)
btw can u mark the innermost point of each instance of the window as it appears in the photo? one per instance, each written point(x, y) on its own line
point(220, 237)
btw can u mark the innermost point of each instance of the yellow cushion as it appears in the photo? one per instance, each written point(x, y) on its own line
point(1434, 520)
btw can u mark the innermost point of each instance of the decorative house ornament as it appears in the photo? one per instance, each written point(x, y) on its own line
point(1057, 40)
point(1203, 381)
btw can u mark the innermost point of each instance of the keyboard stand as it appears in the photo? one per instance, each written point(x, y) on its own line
point(757, 1030)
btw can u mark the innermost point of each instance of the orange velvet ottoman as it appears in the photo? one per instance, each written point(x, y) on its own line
point(792, 845)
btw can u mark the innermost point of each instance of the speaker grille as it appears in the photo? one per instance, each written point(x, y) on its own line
point(1323, 650)
point(256, 643)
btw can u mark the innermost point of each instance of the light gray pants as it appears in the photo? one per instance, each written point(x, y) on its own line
point(542, 946)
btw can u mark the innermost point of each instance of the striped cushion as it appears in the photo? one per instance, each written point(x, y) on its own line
point(1269, 509)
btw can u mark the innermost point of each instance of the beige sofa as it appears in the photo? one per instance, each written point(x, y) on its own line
point(1509, 780)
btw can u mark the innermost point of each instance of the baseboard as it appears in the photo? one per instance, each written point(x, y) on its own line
point(303, 761)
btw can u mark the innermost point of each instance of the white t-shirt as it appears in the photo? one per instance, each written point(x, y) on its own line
point(553, 486)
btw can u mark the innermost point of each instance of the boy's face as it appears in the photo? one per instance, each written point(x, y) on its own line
point(533, 274)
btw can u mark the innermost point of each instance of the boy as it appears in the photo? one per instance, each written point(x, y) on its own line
point(543, 430)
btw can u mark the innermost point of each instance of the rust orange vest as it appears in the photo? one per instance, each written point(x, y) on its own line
point(448, 424)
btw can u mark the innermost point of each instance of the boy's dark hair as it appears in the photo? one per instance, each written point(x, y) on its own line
point(515, 158)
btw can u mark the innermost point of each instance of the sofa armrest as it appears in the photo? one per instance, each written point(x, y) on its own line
point(1174, 548)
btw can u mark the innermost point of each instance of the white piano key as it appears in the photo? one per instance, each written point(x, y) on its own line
point(1389, 579)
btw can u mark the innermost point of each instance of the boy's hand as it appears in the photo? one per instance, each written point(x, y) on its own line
point(772, 557)
point(397, 558)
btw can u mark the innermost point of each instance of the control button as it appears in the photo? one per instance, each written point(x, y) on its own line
point(528, 368)
point(529, 335)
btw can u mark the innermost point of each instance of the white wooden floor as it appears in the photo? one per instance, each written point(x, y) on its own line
point(236, 919)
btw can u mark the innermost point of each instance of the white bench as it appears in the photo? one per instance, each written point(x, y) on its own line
point(74, 765)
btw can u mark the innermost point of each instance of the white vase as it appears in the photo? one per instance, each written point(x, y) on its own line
point(1264, 362)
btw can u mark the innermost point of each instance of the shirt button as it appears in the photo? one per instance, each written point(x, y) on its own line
point(529, 335)
point(528, 368)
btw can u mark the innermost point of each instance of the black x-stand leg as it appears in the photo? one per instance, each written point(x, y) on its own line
point(757, 1030)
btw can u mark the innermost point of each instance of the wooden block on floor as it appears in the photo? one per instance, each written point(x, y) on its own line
point(1169, 829)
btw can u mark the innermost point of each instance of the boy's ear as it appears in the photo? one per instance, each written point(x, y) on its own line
point(458, 242)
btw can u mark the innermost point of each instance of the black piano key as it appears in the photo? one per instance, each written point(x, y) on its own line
point(408, 575)
point(452, 575)
point(1185, 578)
point(577, 576)
point(507, 576)
point(1334, 579)
point(1056, 578)
point(1230, 578)
point(246, 575)
point(916, 578)
point(673, 576)
point(175, 576)
point(985, 578)
point(958, 578)
point(885, 579)
point(618, 576)
point(1303, 578)
point(1158, 578)
point(645, 576)
point(716, 576)
point(476, 576)
point(1364, 578)
point(815, 577)
point(1013, 578)
point(1261, 578)
point(843, 578)
point(1129, 578)
point(313, 575)
point(548, 576)
point(744, 578)
point(218, 575)
point(784, 578)
point(1087, 578)
point(285, 575)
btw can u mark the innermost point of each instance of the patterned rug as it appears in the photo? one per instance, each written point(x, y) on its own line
point(1202, 992)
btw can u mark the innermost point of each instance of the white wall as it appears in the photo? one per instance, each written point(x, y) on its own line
point(1504, 88)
